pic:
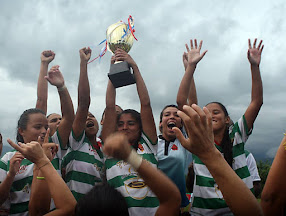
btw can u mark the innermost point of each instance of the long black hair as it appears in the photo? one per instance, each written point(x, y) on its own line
point(102, 200)
point(226, 143)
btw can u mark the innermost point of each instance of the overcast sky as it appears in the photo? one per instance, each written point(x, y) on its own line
point(162, 29)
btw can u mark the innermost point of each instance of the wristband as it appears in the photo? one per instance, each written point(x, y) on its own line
point(134, 159)
point(62, 88)
point(43, 165)
point(40, 178)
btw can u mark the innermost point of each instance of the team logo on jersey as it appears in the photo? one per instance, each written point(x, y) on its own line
point(22, 169)
point(136, 188)
point(174, 147)
point(26, 188)
point(218, 192)
point(96, 167)
point(140, 147)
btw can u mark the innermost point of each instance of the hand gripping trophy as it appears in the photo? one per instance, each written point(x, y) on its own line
point(120, 35)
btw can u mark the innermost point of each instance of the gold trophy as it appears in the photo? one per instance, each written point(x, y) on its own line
point(118, 35)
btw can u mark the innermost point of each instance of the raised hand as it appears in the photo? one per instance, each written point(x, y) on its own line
point(198, 124)
point(112, 60)
point(85, 54)
point(55, 77)
point(194, 55)
point(116, 145)
point(121, 55)
point(49, 150)
point(47, 56)
point(15, 163)
point(254, 53)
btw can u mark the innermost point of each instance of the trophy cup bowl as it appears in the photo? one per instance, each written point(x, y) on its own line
point(117, 36)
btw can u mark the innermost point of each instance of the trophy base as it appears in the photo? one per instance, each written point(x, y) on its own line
point(120, 75)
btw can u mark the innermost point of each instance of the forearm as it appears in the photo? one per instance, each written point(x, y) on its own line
point(42, 88)
point(40, 199)
point(62, 196)
point(257, 89)
point(234, 190)
point(83, 87)
point(5, 187)
point(273, 196)
point(166, 191)
point(185, 86)
point(193, 99)
point(67, 115)
point(109, 125)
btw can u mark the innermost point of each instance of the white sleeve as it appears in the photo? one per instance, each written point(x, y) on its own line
point(251, 164)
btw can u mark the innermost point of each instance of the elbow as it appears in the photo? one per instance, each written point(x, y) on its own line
point(269, 197)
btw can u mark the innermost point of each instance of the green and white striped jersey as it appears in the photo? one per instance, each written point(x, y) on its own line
point(207, 197)
point(140, 199)
point(82, 165)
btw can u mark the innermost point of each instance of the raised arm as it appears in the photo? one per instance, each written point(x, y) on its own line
point(56, 78)
point(42, 90)
point(146, 113)
point(198, 124)
point(109, 124)
point(166, 191)
point(187, 85)
point(83, 93)
point(254, 57)
point(192, 98)
point(273, 198)
point(62, 196)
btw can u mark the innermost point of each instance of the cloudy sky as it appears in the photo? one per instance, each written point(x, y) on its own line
point(162, 29)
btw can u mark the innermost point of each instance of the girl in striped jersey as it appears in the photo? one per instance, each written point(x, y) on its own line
point(83, 163)
point(140, 130)
point(16, 172)
point(207, 197)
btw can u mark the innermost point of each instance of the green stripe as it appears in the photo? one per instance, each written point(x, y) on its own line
point(118, 181)
point(243, 172)
point(234, 130)
point(246, 153)
point(81, 177)
point(20, 184)
point(77, 195)
point(56, 163)
point(204, 181)
point(246, 126)
point(19, 207)
point(109, 163)
point(3, 166)
point(60, 141)
point(80, 156)
point(197, 160)
point(79, 137)
point(238, 150)
point(210, 203)
point(150, 202)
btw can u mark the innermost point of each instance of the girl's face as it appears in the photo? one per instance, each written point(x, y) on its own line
point(128, 125)
point(37, 126)
point(219, 120)
point(91, 125)
point(170, 119)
